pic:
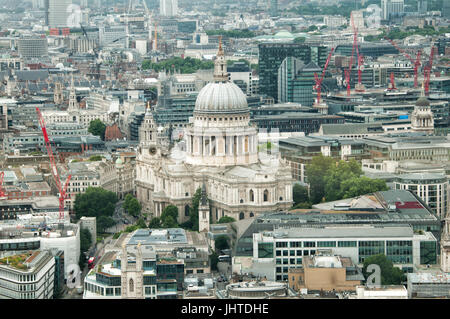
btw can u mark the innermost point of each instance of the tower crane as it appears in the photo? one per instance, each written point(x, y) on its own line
point(359, 87)
point(318, 86)
point(427, 71)
point(348, 72)
point(2, 192)
point(62, 188)
point(415, 62)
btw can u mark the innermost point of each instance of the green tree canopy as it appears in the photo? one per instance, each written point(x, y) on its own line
point(316, 172)
point(169, 222)
point(104, 222)
point(300, 194)
point(390, 275)
point(132, 205)
point(85, 240)
point(98, 128)
point(330, 180)
point(187, 65)
point(96, 202)
point(226, 219)
point(221, 243)
point(155, 222)
point(172, 212)
point(246, 33)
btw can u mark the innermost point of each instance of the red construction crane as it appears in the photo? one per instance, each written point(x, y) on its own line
point(2, 192)
point(348, 73)
point(427, 72)
point(415, 62)
point(359, 87)
point(392, 86)
point(61, 188)
point(318, 86)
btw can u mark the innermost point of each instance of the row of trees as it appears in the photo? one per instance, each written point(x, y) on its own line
point(97, 202)
point(330, 181)
point(187, 65)
point(132, 205)
point(397, 33)
point(245, 33)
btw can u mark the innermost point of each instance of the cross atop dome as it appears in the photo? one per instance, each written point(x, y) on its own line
point(220, 65)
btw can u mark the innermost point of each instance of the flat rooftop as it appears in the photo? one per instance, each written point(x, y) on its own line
point(158, 236)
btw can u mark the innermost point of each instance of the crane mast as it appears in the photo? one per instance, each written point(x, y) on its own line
point(61, 188)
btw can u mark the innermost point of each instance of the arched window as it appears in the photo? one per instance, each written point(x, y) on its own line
point(186, 210)
point(241, 215)
point(266, 195)
point(251, 214)
point(252, 196)
point(131, 285)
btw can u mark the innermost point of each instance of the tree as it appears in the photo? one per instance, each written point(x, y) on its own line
point(214, 259)
point(390, 275)
point(305, 205)
point(104, 222)
point(98, 128)
point(316, 172)
point(169, 216)
point(141, 223)
point(95, 202)
point(226, 219)
point(299, 40)
point(221, 243)
point(338, 173)
point(193, 211)
point(169, 222)
point(155, 222)
point(300, 194)
point(357, 186)
point(85, 240)
point(134, 207)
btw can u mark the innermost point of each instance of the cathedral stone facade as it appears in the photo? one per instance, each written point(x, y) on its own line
point(219, 151)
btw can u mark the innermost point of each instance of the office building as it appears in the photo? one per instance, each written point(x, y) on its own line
point(30, 47)
point(367, 209)
point(29, 275)
point(286, 74)
point(271, 56)
point(391, 9)
point(433, 189)
point(286, 248)
point(168, 8)
point(59, 13)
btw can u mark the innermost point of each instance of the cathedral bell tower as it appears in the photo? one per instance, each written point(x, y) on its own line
point(220, 65)
point(57, 94)
point(148, 133)
point(445, 246)
point(203, 212)
point(73, 103)
point(132, 275)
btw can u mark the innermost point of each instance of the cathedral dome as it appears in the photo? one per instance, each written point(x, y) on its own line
point(221, 98)
point(422, 101)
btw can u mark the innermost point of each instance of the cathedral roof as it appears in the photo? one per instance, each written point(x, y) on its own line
point(221, 98)
point(422, 101)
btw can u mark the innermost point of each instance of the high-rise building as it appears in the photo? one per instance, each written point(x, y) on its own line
point(286, 75)
point(422, 6)
point(446, 9)
point(392, 8)
point(59, 13)
point(271, 55)
point(168, 8)
point(273, 8)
